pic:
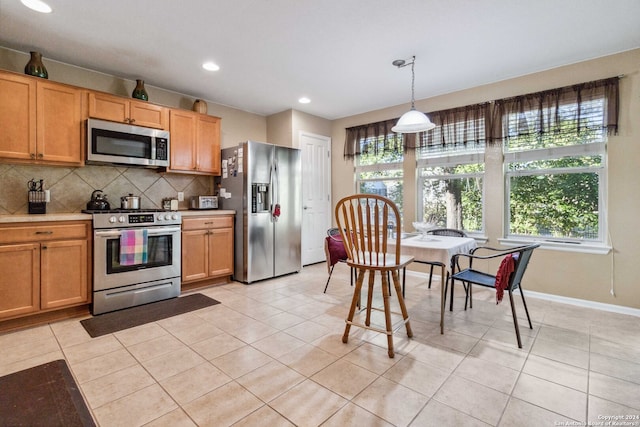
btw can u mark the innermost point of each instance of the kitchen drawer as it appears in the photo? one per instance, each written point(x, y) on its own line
point(40, 233)
point(207, 222)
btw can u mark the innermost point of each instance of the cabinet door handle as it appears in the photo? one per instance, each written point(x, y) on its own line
point(132, 120)
point(208, 223)
point(40, 155)
point(44, 247)
point(44, 232)
point(33, 156)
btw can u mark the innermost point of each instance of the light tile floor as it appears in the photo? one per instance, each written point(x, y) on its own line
point(271, 354)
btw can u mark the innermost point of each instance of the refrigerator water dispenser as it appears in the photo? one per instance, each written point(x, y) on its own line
point(259, 197)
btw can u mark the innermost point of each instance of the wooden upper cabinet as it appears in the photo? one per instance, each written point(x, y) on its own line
point(195, 143)
point(150, 115)
point(17, 117)
point(118, 109)
point(182, 127)
point(60, 123)
point(41, 121)
point(208, 144)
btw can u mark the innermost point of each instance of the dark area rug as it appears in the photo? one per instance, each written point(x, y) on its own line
point(45, 395)
point(108, 323)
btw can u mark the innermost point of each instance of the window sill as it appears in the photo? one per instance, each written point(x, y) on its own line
point(481, 240)
point(588, 248)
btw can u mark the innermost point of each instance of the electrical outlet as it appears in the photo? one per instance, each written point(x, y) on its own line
point(180, 196)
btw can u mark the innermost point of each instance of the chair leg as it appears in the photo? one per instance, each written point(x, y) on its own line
point(372, 278)
point(526, 310)
point(431, 275)
point(387, 314)
point(329, 278)
point(515, 319)
point(451, 302)
point(446, 288)
point(403, 307)
point(389, 282)
point(352, 275)
point(466, 297)
point(355, 301)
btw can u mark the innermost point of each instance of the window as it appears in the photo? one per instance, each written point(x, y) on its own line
point(450, 162)
point(555, 176)
point(379, 168)
point(554, 164)
point(450, 186)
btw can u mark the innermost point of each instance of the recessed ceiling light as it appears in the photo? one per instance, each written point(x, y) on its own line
point(210, 66)
point(37, 5)
point(304, 100)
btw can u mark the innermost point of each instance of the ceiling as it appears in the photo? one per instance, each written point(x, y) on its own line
point(336, 52)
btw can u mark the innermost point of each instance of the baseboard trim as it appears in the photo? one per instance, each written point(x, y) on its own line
point(564, 300)
point(585, 303)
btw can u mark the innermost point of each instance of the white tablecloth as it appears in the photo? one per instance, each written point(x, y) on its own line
point(434, 249)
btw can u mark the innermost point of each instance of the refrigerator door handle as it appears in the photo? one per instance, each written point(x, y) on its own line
point(275, 213)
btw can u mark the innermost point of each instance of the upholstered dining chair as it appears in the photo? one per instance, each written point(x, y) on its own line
point(335, 253)
point(443, 232)
point(363, 221)
point(508, 277)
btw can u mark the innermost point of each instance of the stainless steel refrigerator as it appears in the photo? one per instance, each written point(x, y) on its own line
point(262, 183)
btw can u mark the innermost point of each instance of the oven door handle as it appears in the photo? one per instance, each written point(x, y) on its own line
point(150, 232)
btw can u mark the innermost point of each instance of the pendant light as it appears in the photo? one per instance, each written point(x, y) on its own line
point(412, 121)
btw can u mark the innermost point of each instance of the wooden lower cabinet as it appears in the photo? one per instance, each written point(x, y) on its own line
point(207, 247)
point(45, 266)
point(64, 279)
point(20, 279)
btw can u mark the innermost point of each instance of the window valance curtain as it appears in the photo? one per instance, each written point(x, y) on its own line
point(353, 146)
point(460, 125)
point(457, 126)
point(568, 110)
point(571, 110)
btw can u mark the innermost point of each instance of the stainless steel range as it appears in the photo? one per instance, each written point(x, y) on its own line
point(152, 275)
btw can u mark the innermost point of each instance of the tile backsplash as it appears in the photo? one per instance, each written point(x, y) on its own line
point(71, 188)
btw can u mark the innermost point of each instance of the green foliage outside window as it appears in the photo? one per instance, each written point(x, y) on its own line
point(452, 196)
point(386, 181)
point(556, 197)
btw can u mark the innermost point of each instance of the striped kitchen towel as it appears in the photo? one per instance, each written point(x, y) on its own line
point(133, 247)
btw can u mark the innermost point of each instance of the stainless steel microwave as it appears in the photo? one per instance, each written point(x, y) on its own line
point(118, 143)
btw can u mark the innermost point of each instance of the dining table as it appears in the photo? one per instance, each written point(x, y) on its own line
point(435, 250)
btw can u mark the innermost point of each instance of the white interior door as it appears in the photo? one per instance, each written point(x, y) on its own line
point(316, 195)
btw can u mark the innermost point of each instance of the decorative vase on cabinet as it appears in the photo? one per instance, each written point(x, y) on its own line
point(140, 92)
point(35, 67)
point(199, 106)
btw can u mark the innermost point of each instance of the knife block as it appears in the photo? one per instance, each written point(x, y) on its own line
point(37, 202)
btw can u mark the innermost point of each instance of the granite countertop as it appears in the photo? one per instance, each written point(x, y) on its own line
point(78, 216)
point(207, 212)
point(74, 216)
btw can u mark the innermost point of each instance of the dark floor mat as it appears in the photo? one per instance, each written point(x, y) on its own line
point(45, 395)
point(128, 318)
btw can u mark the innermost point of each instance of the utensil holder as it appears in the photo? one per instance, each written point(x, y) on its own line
point(37, 202)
